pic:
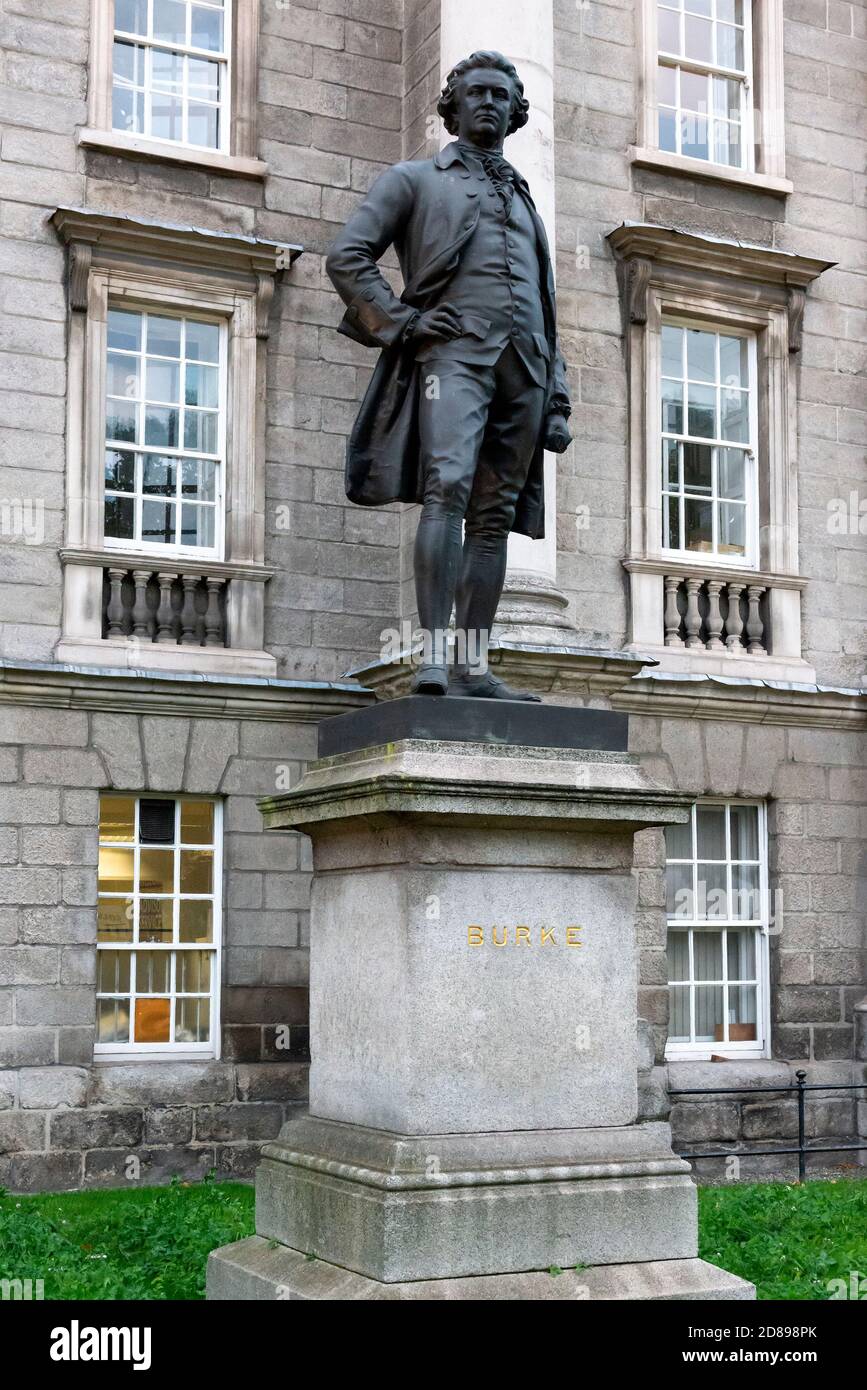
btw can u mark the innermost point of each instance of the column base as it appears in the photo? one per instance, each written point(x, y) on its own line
point(256, 1269)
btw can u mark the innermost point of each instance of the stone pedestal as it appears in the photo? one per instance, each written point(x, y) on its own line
point(473, 1085)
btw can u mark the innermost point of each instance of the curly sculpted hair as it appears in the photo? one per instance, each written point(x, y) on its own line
point(447, 104)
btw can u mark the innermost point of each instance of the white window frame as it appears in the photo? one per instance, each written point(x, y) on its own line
point(117, 1052)
point(703, 1050)
point(136, 545)
point(764, 144)
point(224, 58)
point(238, 155)
point(713, 69)
point(753, 460)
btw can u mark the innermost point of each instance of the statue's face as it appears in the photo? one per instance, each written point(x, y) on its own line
point(484, 106)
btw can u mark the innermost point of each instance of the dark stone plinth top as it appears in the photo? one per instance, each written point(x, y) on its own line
point(461, 720)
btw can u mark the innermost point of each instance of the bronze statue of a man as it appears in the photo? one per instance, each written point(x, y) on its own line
point(470, 387)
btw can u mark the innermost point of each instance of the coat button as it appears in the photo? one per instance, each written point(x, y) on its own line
point(472, 193)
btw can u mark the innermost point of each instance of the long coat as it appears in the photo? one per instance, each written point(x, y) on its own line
point(428, 210)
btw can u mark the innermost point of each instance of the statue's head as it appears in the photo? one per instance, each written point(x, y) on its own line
point(483, 100)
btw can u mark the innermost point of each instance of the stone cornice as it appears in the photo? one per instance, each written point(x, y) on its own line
point(170, 564)
point(556, 670)
point(115, 233)
point(191, 696)
point(672, 246)
point(708, 570)
point(745, 702)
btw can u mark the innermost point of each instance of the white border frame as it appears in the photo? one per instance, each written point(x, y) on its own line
point(744, 1051)
point(120, 1052)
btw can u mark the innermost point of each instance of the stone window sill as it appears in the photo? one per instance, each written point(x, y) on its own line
point(138, 147)
point(665, 163)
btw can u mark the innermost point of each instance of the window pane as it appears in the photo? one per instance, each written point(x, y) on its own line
point(666, 85)
point(161, 427)
point(156, 821)
point(158, 522)
point(727, 98)
point(131, 16)
point(742, 1013)
point(730, 46)
point(124, 330)
point(167, 72)
point(701, 355)
point(708, 1013)
point(193, 972)
point(712, 898)
point(698, 524)
point(152, 1020)
point(727, 143)
point(731, 10)
point(157, 870)
point(125, 63)
point(732, 480)
point(203, 341)
point(115, 870)
point(203, 80)
point(202, 386)
point(670, 471)
point(678, 891)
point(198, 479)
point(170, 21)
point(197, 822)
point(678, 1015)
point(672, 350)
point(163, 382)
point(200, 431)
point(741, 955)
point(672, 407)
point(744, 832)
point(116, 818)
point(693, 91)
point(678, 955)
point(114, 972)
point(735, 415)
point(112, 1021)
point(678, 841)
point(667, 130)
point(733, 367)
point(159, 475)
point(207, 29)
point(164, 336)
point(152, 972)
point(193, 1020)
point(203, 126)
point(702, 411)
point(732, 528)
point(698, 42)
point(167, 117)
point(114, 919)
point(697, 468)
point(746, 906)
point(710, 826)
point(701, 7)
point(668, 26)
point(673, 538)
point(197, 871)
point(120, 518)
point(127, 109)
point(707, 955)
point(196, 921)
point(197, 526)
point(155, 919)
point(121, 420)
point(120, 471)
point(693, 136)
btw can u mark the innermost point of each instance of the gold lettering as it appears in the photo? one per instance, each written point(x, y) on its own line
point(494, 936)
point(548, 935)
point(572, 936)
point(522, 936)
point(475, 936)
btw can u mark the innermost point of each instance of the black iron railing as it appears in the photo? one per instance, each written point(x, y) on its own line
point(800, 1086)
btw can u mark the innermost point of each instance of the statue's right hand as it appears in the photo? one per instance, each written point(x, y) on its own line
point(443, 321)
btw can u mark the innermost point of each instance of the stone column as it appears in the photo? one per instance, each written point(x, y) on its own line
point(473, 1024)
point(524, 32)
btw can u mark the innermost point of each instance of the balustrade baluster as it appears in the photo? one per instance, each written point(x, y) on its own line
point(755, 626)
point(692, 621)
point(714, 615)
point(140, 613)
point(114, 611)
point(734, 621)
point(213, 616)
point(165, 612)
point(189, 616)
point(672, 612)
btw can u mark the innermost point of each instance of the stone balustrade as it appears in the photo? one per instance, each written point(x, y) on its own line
point(172, 606)
point(715, 614)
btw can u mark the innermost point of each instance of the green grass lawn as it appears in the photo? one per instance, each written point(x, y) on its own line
point(153, 1242)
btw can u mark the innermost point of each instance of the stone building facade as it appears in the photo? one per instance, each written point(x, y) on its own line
point(184, 597)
